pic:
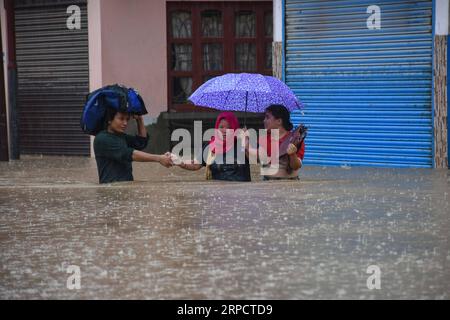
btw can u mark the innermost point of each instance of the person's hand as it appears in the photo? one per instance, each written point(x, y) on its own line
point(165, 160)
point(182, 165)
point(137, 117)
point(175, 159)
point(292, 149)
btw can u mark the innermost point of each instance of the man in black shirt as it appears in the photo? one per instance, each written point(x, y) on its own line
point(115, 150)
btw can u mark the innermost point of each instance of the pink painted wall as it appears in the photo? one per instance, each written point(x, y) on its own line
point(133, 48)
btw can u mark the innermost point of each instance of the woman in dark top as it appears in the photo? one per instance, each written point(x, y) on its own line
point(115, 151)
point(220, 150)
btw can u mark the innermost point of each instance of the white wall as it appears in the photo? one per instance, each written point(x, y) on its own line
point(95, 49)
point(277, 21)
point(442, 13)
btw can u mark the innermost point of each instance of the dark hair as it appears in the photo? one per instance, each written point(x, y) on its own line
point(110, 114)
point(280, 112)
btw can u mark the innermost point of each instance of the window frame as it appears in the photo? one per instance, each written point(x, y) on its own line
point(228, 41)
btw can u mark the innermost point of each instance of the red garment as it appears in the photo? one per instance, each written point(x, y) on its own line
point(219, 145)
point(267, 145)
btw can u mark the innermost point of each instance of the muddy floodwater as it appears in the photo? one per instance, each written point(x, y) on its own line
point(172, 235)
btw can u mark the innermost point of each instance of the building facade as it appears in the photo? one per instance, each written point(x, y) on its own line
point(372, 74)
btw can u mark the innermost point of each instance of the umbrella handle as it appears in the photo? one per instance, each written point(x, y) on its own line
point(245, 114)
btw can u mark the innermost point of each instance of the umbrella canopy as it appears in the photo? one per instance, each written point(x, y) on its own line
point(244, 92)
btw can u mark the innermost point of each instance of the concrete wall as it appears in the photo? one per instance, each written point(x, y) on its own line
point(95, 49)
point(5, 61)
point(134, 48)
point(442, 15)
point(440, 111)
point(277, 46)
point(277, 20)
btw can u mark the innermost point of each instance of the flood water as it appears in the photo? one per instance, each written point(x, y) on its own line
point(172, 235)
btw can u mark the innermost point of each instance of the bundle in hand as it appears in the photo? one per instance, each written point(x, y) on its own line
point(296, 137)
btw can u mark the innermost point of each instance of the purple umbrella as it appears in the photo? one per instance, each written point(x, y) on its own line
point(244, 92)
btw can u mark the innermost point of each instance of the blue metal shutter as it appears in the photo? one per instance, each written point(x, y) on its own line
point(368, 93)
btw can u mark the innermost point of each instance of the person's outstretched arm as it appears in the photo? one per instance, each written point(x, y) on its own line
point(164, 160)
point(184, 164)
point(190, 166)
